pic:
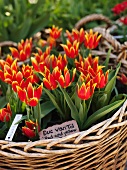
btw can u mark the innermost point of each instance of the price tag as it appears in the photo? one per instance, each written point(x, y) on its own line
point(13, 127)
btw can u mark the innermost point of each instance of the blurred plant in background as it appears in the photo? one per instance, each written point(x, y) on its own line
point(66, 13)
point(22, 19)
point(119, 10)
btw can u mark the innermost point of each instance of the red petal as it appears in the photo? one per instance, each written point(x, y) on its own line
point(14, 85)
point(62, 81)
point(47, 84)
point(102, 81)
point(67, 79)
point(38, 92)
point(52, 81)
point(28, 50)
point(28, 132)
point(22, 56)
point(30, 91)
point(33, 102)
point(9, 59)
point(19, 77)
point(30, 124)
point(14, 52)
point(35, 64)
point(21, 94)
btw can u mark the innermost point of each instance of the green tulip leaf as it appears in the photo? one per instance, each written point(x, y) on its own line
point(118, 97)
point(74, 111)
point(53, 99)
point(110, 86)
point(102, 112)
point(46, 108)
point(3, 102)
point(106, 62)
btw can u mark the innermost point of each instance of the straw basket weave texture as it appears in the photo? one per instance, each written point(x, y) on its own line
point(101, 147)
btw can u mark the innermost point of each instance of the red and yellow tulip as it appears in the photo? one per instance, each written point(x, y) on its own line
point(38, 61)
point(23, 51)
point(76, 35)
point(91, 39)
point(101, 80)
point(70, 49)
point(52, 61)
point(27, 72)
point(5, 114)
point(86, 90)
point(30, 95)
point(122, 78)
point(51, 80)
point(65, 80)
point(10, 72)
point(31, 129)
point(55, 32)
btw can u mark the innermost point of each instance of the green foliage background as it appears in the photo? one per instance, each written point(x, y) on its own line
point(19, 19)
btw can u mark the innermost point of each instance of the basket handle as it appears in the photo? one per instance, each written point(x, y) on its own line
point(93, 17)
point(8, 43)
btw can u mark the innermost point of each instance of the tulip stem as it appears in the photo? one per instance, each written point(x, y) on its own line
point(39, 113)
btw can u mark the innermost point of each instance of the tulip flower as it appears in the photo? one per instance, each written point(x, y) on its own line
point(52, 61)
point(5, 114)
point(51, 80)
point(30, 129)
point(88, 65)
point(85, 91)
point(38, 61)
point(30, 95)
point(55, 32)
point(76, 35)
point(28, 71)
point(24, 50)
point(8, 64)
point(71, 50)
point(120, 7)
point(122, 78)
point(91, 39)
point(10, 72)
point(20, 81)
point(101, 80)
point(64, 80)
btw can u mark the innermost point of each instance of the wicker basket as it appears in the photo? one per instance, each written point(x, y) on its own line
point(101, 147)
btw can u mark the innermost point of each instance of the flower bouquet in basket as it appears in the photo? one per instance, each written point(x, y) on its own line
point(51, 91)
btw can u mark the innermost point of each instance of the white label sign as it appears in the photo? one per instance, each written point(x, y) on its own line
point(13, 127)
point(59, 131)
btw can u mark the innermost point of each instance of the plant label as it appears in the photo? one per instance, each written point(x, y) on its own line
point(13, 127)
point(59, 131)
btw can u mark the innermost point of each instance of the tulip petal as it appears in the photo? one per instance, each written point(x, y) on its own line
point(38, 92)
point(21, 94)
point(33, 102)
point(30, 90)
point(28, 132)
